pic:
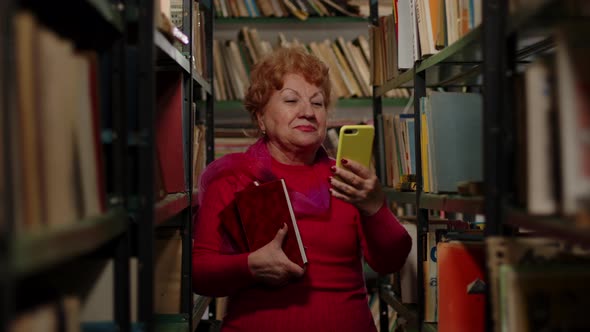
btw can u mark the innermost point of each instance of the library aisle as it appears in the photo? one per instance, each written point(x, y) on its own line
point(111, 109)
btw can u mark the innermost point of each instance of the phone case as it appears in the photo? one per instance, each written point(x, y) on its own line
point(355, 142)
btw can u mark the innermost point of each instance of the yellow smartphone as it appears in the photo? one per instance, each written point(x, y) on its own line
point(355, 142)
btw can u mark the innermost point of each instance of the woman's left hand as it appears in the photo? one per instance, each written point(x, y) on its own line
point(358, 185)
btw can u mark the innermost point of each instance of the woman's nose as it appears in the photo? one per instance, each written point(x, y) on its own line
point(307, 110)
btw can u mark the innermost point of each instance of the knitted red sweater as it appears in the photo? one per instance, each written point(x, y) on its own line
point(331, 296)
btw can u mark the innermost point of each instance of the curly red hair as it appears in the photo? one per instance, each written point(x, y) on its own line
point(268, 74)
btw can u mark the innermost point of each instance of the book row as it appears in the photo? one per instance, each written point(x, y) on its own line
point(417, 29)
point(301, 9)
point(58, 160)
point(348, 61)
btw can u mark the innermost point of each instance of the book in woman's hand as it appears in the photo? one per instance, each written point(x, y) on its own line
point(263, 209)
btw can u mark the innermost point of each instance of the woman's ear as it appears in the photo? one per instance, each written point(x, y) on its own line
point(260, 120)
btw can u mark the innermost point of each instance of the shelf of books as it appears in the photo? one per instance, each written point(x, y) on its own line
point(182, 35)
point(41, 249)
point(348, 60)
point(456, 60)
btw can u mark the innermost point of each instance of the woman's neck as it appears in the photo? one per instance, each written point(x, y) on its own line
point(302, 157)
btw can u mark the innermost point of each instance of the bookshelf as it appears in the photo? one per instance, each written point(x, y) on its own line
point(166, 114)
point(137, 73)
point(37, 248)
point(488, 59)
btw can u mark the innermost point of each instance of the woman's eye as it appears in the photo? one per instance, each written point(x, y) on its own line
point(291, 101)
point(318, 104)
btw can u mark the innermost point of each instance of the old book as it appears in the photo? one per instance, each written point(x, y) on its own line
point(517, 252)
point(544, 298)
point(169, 137)
point(57, 111)
point(28, 149)
point(263, 209)
point(168, 271)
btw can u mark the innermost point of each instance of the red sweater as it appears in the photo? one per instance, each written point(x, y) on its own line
point(331, 296)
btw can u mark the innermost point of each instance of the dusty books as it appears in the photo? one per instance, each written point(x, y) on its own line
point(262, 210)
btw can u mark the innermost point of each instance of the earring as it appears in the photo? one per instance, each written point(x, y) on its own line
point(263, 132)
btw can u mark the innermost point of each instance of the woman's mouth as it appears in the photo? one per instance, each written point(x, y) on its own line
point(305, 128)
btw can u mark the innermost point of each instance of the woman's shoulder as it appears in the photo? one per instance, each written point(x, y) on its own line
point(223, 167)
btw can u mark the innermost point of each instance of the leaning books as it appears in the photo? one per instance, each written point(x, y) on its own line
point(263, 209)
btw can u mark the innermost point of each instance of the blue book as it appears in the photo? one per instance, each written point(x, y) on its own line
point(405, 121)
point(455, 124)
point(412, 140)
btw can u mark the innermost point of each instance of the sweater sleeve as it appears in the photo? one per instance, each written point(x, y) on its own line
point(216, 270)
point(386, 243)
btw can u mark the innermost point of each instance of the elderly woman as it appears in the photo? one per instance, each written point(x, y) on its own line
point(341, 221)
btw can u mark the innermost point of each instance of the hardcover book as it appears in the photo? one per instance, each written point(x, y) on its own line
point(262, 210)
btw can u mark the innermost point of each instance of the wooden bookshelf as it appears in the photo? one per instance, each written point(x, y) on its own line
point(41, 249)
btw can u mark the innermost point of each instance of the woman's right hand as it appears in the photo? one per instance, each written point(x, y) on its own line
point(270, 265)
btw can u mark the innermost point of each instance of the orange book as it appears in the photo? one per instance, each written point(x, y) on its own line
point(459, 265)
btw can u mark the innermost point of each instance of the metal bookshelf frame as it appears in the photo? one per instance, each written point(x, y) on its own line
point(7, 213)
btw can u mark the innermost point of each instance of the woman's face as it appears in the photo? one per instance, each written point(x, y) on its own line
point(295, 116)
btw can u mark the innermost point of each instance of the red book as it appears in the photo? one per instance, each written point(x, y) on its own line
point(169, 132)
point(262, 210)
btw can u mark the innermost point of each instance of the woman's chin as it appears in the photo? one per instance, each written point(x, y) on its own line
point(308, 144)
